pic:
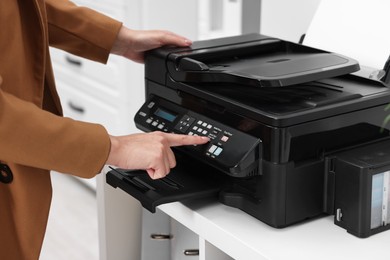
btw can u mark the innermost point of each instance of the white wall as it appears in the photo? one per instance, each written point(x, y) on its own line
point(287, 19)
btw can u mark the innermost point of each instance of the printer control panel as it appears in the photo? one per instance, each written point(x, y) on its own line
point(229, 150)
point(192, 126)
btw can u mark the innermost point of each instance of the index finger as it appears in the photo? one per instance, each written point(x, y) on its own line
point(179, 140)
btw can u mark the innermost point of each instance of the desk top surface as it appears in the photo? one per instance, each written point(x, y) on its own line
point(244, 237)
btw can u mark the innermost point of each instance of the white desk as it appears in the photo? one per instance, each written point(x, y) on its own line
point(245, 238)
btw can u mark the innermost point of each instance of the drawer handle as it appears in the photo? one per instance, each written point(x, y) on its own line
point(160, 236)
point(72, 61)
point(191, 252)
point(76, 108)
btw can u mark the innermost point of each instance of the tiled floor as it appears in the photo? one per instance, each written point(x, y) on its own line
point(72, 229)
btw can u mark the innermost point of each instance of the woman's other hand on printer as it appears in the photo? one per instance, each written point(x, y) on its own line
point(149, 151)
point(132, 44)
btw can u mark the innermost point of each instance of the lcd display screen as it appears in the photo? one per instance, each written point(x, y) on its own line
point(165, 115)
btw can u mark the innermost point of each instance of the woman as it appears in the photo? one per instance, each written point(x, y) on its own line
point(35, 139)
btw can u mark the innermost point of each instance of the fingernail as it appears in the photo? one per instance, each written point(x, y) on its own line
point(187, 42)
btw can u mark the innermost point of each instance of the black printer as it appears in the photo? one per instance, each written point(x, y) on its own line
point(294, 134)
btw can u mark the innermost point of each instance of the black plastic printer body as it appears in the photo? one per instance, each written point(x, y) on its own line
point(293, 133)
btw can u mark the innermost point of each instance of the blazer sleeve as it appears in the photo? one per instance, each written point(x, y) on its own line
point(80, 30)
point(46, 137)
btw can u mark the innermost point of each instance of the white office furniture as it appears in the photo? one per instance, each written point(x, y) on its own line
point(232, 234)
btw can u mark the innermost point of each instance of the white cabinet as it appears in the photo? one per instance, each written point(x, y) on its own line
point(184, 242)
point(156, 236)
point(164, 238)
point(228, 233)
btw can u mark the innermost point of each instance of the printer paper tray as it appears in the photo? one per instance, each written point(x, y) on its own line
point(188, 180)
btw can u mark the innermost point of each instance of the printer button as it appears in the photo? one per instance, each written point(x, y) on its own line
point(187, 120)
point(141, 113)
point(190, 120)
point(151, 104)
point(218, 151)
point(224, 138)
point(212, 148)
point(183, 129)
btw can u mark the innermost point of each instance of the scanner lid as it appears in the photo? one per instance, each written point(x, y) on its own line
point(255, 60)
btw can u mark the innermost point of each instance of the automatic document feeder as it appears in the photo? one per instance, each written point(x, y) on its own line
point(293, 133)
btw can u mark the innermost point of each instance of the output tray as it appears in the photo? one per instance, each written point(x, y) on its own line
point(188, 180)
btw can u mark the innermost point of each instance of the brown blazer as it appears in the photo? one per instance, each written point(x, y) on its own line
point(34, 138)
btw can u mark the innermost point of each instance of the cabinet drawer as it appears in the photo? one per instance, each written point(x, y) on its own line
point(81, 107)
point(108, 76)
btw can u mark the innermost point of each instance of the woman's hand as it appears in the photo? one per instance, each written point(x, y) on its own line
point(132, 44)
point(149, 151)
